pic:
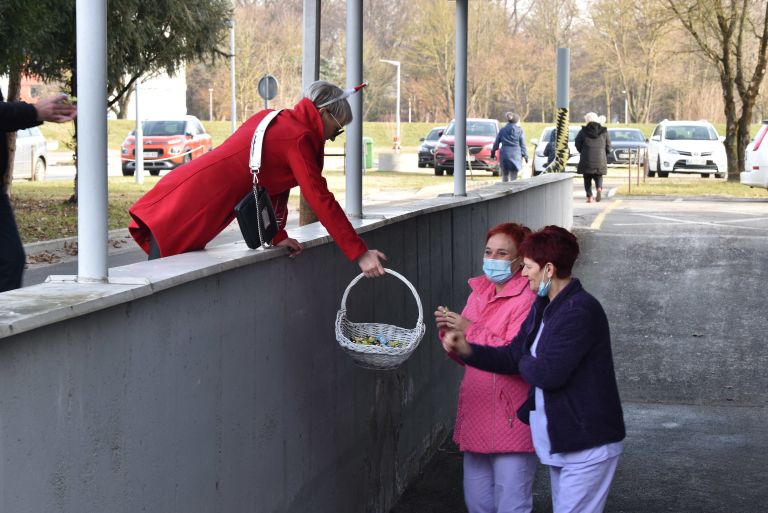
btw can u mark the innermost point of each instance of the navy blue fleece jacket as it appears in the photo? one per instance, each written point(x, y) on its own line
point(573, 366)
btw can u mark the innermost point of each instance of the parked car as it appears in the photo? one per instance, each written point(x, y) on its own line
point(427, 147)
point(168, 143)
point(755, 172)
point(626, 142)
point(481, 133)
point(686, 147)
point(540, 160)
point(31, 158)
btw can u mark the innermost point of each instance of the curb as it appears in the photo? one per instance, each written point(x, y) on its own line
point(43, 246)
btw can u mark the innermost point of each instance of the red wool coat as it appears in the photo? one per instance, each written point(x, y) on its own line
point(193, 203)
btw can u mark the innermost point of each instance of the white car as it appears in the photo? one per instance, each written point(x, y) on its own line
point(540, 160)
point(31, 158)
point(755, 172)
point(686, 147)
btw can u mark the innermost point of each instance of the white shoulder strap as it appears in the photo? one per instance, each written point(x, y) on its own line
point(258, 140)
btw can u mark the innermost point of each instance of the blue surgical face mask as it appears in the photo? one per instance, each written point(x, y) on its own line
point(544, 287)
point(498, 271)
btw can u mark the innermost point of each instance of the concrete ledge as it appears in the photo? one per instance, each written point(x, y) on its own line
point(39, 305)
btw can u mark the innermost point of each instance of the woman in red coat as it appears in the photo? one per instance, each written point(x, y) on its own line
point(193, 203)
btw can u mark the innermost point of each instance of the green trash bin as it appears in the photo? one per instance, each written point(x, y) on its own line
point(368, 152)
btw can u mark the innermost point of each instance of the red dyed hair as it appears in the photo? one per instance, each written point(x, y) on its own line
point(516, 232)
point(552, 244)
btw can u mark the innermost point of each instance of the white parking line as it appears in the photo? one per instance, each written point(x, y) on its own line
point(687, 221)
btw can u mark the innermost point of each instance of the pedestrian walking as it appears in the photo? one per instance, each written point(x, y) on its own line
point(593, 146)
point(513, 151)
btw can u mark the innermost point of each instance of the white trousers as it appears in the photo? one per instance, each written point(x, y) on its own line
point(582, 490)
point(499, 483)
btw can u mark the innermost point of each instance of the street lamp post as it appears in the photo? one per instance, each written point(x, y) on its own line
point(210, 104)
point(397, 111)
point(626, 107)
point(409, 110)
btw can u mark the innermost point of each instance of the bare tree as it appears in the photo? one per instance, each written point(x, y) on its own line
point(733, 36)
point(551, 24)
point(633, 35)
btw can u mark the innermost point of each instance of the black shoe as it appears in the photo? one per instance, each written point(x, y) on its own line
point(599, 195)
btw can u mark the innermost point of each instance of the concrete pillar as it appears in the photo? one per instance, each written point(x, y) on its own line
point(563, 82)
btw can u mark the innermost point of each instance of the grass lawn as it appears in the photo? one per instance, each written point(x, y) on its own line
point(42, 211)
point(688, 186)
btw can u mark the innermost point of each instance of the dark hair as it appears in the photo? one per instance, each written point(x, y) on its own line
point(552, 244)
point(513, 117)
point(516, 232)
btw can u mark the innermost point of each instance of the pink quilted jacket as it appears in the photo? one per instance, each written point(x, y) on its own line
point(486, 420)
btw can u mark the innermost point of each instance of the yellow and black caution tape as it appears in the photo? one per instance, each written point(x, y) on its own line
point(561, 143)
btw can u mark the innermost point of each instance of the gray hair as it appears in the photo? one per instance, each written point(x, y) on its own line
point(321, 92)
point(513, 117)
point(591, 117)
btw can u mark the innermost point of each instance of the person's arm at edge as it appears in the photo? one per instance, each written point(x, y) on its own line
point(496, 142)
point(17, 116)
point(502, 360)
point(323, 203)
point(579, 142)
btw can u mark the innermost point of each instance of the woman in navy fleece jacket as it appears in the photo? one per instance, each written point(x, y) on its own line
point(563, 350)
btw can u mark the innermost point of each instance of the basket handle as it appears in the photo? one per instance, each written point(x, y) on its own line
point(396, 275)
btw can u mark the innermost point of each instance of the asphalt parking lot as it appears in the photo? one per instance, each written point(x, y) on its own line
point(683, 282)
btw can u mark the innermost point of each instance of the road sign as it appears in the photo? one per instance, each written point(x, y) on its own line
point(268, 88)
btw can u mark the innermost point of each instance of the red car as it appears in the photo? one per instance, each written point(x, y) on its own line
point(168, 143)
point(481, 133)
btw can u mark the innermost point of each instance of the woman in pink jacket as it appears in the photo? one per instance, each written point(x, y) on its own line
point(499, 460)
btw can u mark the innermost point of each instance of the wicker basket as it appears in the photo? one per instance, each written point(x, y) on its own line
point(378, 357)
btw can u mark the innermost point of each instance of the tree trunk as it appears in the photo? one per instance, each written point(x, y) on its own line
point(14, 86)
point(731, 127)
point(121, 107)
point(741, 139)
point(306, 215)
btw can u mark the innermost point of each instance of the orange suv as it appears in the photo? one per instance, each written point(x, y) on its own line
point(168, 143)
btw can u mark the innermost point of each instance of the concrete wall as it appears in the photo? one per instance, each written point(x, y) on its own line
point(212, 381)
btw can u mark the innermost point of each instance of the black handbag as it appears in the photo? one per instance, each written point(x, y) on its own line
point(254, 212)
point(256, 218)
